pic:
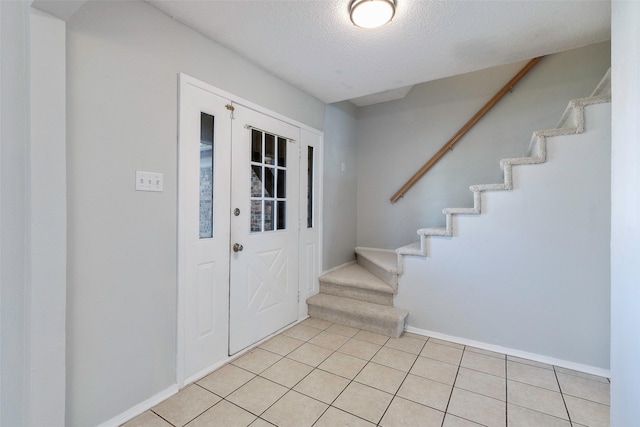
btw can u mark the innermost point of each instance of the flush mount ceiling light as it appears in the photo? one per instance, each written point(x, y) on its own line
point(371, 13)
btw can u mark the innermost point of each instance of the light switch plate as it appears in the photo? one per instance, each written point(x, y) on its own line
point(149, 181)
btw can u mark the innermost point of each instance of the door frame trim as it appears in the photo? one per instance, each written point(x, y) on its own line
point(312, 137)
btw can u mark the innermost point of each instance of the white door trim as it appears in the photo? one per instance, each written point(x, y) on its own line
point(309, 136)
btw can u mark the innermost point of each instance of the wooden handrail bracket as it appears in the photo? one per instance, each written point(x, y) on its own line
point(464, 129)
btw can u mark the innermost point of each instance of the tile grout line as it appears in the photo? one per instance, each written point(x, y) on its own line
point(446, 409)
point(555, 373)
point(506, 391)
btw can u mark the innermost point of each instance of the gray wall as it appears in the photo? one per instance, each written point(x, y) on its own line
point(339, 185)
point(14, 290)
point(122, 65)
point(395, 138)
point(625, 215)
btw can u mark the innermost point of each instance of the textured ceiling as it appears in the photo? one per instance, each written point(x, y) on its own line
point(313, 45)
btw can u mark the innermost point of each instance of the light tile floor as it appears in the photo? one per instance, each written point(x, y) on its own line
point(327, 375)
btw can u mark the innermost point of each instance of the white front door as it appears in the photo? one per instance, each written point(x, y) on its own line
point(230, 160)
point(204, 228)
point(264, 227)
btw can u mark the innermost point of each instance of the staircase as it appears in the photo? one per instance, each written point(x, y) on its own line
point(360, 294)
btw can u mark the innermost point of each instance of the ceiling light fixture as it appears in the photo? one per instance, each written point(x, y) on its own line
point(371, 13)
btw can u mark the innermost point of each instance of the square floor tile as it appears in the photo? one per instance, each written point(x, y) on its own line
point(536, 398)
point(587, 413)
point(343, 365)
point(322, 386)
point(257, 395)
point(381, 377)
point(435, 370)
point(453, 421)
point(363, 401)
point(481, 383)
point(226, 380)
point(584, 388)
point(518, 416)
point(477, 408)
point(287, 372)
point(310, 354)
point(581, 374)
point(257, 360)
point(187, 404)
point(314, 322)
point(347, 331)
point(403, 412)
point(408, 344)
point(425, 392)
point(147, 419)
point(487, 364)
point(414, 335)
point(224, 414)
point(302, 332)
point(371, 337)
point(295, 410)
point(329, 340)
point(443, 353)
point(396, 359)
point(362, 349)
point(533, 375)
point(530, 362)
point(447, 343)
point(334, 417)
point(281, 344)
point(485, 352)
point(260, 423)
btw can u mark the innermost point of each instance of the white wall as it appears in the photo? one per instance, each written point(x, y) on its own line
point(122, 65)
point(48, 219)
point(340, 173)
point(625, 214)
point(396, 138)
point(14, 289)
point(531, 273)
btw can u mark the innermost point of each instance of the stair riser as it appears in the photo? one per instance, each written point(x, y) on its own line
point(390, 279)
point(349, 319)
point(356, 293)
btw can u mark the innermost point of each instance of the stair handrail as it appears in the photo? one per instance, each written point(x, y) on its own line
point(464, 129)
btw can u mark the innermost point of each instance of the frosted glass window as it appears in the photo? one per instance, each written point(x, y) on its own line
point(309, 187)
point(206, 175)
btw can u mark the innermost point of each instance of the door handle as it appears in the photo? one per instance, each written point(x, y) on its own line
point(237, 247)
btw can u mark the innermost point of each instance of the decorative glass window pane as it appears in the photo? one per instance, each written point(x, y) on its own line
point(269, 149)
point(269, 182)
point(282, 215)
point(309, 187)
point(256, 216)
point(268, 215)
point(206, 175)
point(256, 146)
point(282, 183)
point(256, 181)
point(282, 152)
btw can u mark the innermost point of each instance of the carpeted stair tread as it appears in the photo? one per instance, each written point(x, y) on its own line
point(386, 260)
point(356, 276)
point(387, 320)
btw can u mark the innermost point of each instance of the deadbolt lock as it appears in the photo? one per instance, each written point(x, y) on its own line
point(236, 211)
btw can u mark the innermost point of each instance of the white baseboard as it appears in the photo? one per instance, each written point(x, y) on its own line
point(593, 370)
point(141, 407)
point(346, 264)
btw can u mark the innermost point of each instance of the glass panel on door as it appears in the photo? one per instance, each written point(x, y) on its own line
point(268, 182)
point(206, 175)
